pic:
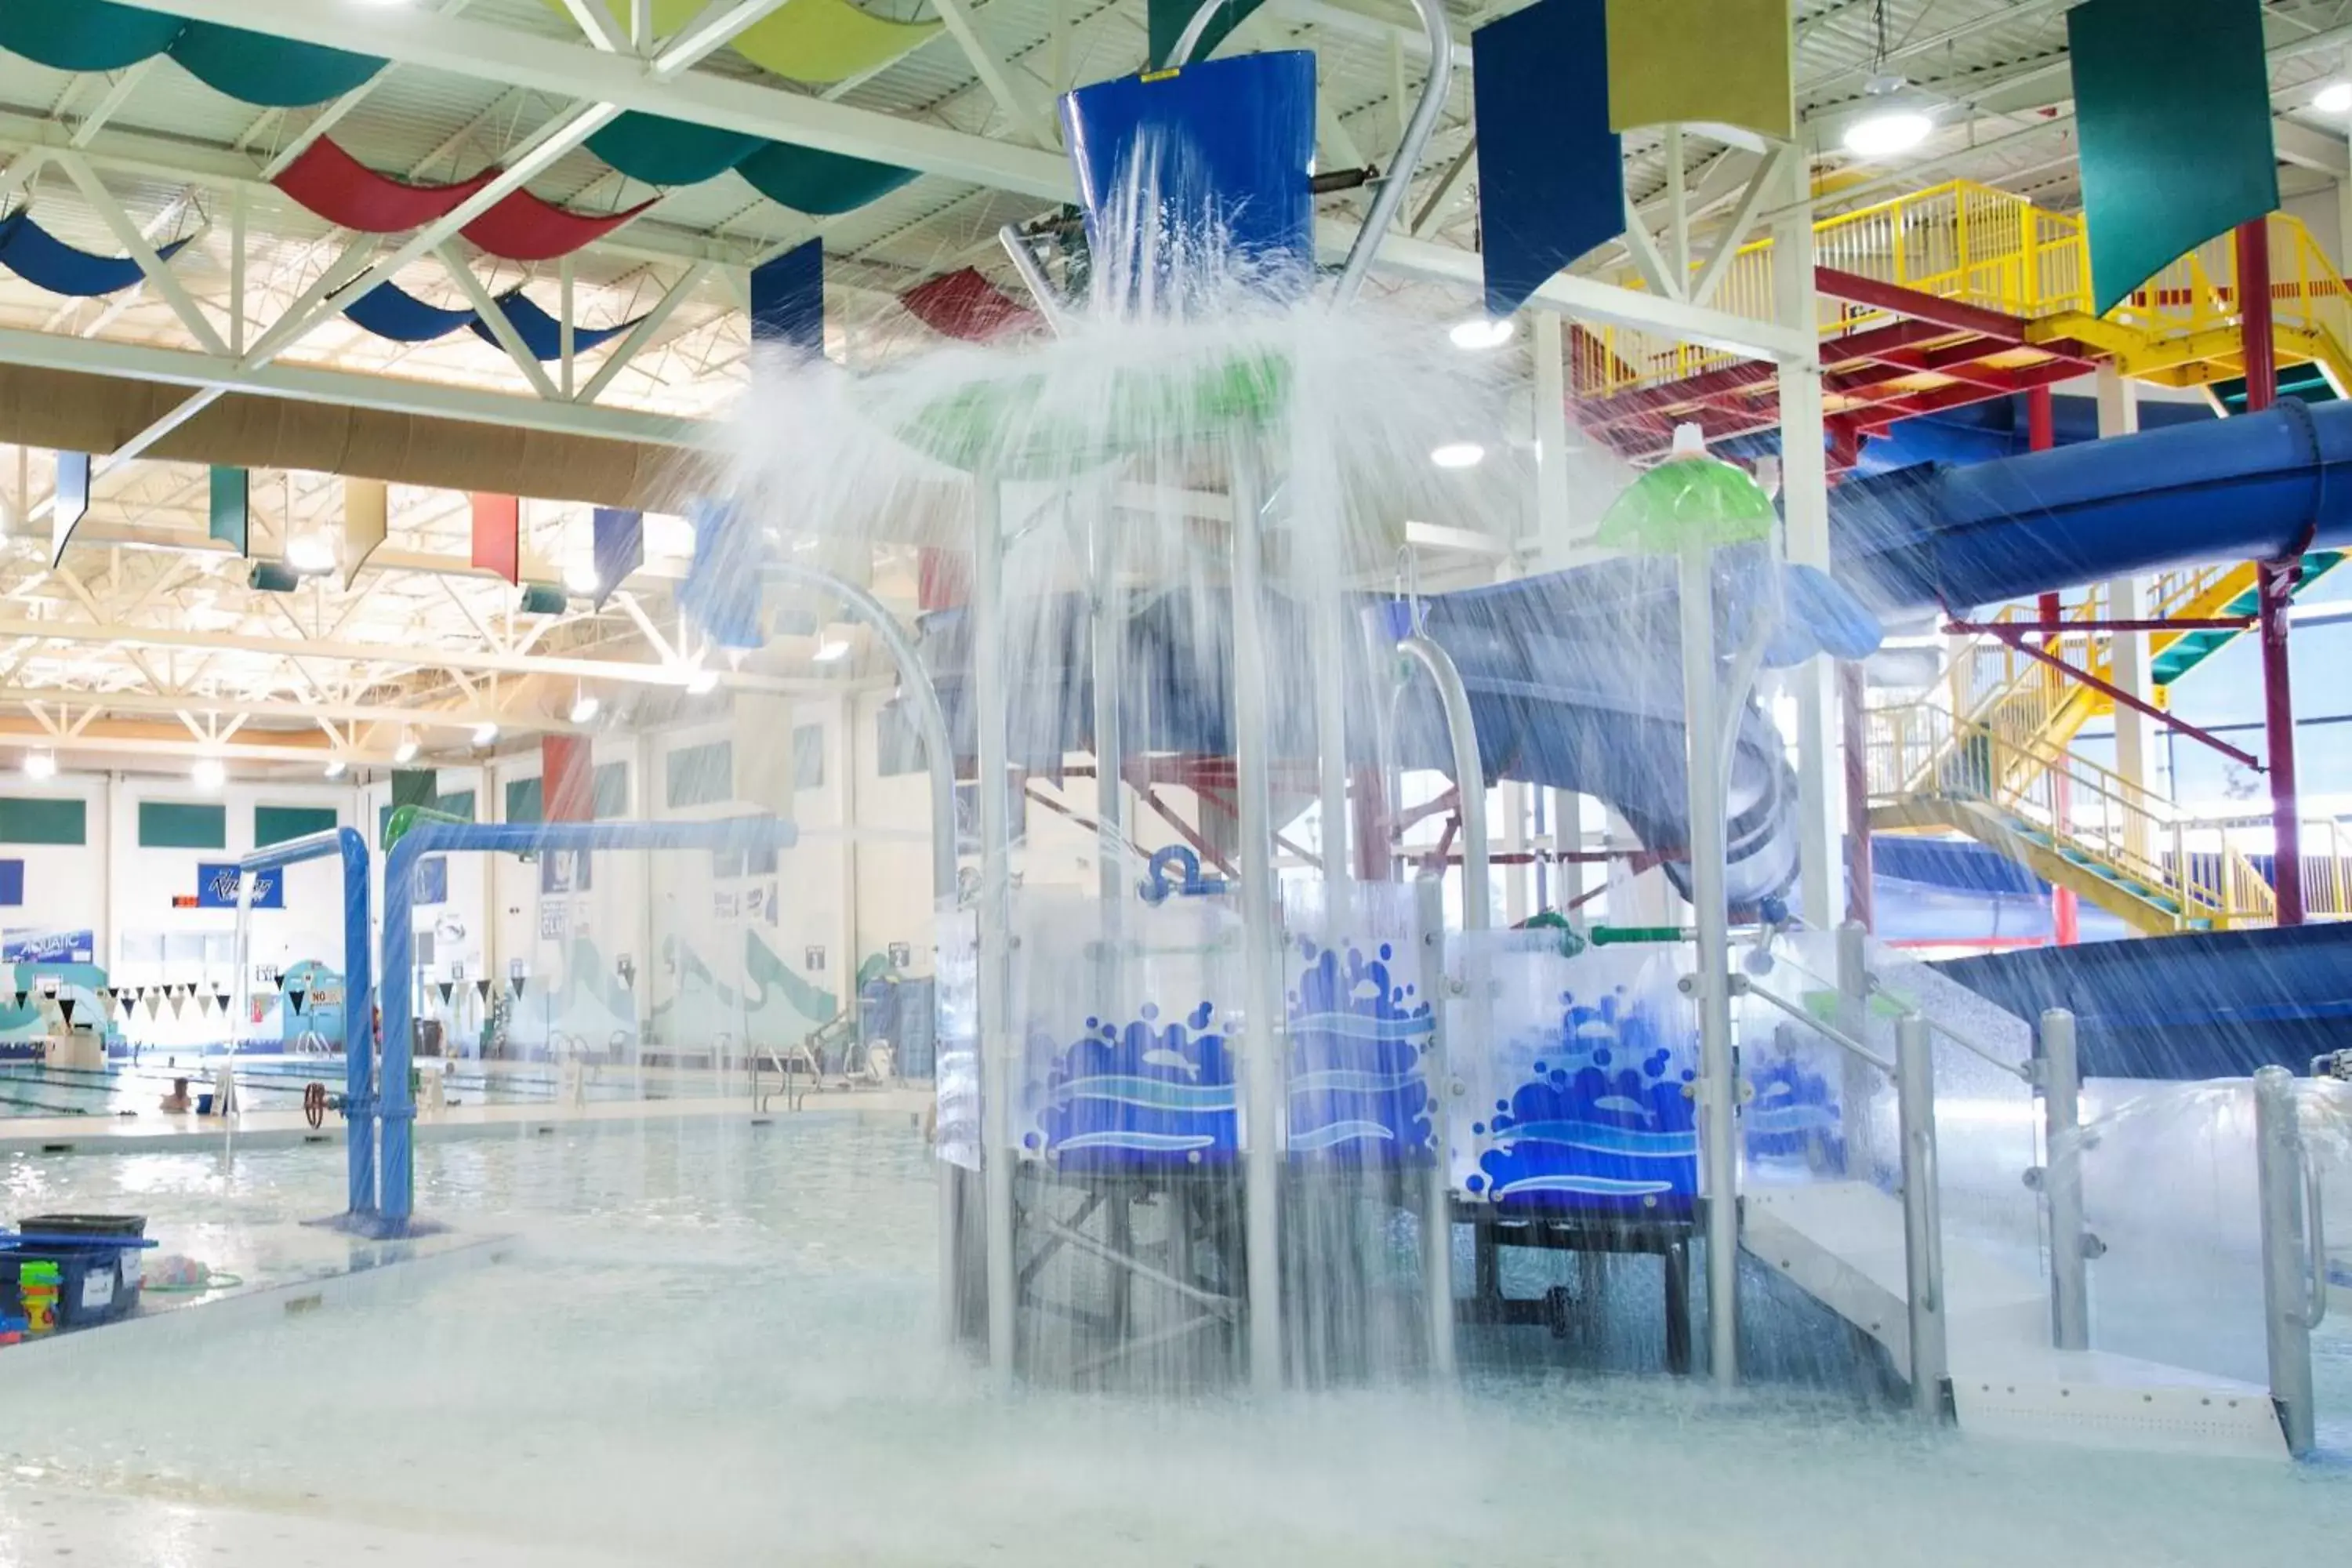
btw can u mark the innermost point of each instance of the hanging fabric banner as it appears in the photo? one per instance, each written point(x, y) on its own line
point(522, 228)
point(820, 41)
point(337, 186)
point(42, 259)
point(567, 775)
point(71, 504)
point(618, 547)
point(965, 305)
point(670, 152)
point(232, 508)
point(788, 299)
point(497, 535)
point(721, 590)
point(821, 185)
point(367, 518)
point(1551, 174)
point(2172, 106)
point(1720, 62)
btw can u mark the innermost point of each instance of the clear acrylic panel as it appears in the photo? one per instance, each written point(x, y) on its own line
point(957, 1082)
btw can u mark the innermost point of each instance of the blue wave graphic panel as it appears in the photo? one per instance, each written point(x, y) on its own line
point(1140, 1095)
point(1358, 1031)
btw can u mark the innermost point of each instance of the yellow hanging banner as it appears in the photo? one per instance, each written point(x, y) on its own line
point(807, 40)
point(1709, 62)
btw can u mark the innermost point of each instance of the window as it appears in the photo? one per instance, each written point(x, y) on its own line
point(27, 821)
point(526, 801)
point(897, 744)
point(612, 792)
point(701, 775)
point(277, 824)
point(808, 756)
point(460, 805)
point(181, 824)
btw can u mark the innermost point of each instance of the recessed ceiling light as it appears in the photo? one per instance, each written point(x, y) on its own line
point(580, 578)
point(336, 767)
point(1459, 455)
point(584, 707)
point(828, 652)
point(209, 773)
point(2336, 98)
point(1481, 332)
point(485, 733)
point(40, 764)
point(1887, 132)
point(701, 683)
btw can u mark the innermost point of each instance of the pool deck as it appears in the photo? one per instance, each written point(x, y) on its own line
point(156, 1131)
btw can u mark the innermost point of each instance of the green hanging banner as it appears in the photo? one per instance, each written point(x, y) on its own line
point(232, 511)
point(1167, 20)
point(2172, 106)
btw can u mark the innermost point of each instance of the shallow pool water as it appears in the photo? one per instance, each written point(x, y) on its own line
point(713, 1343)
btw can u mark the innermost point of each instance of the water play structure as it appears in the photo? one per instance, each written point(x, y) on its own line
point(1249, 1107)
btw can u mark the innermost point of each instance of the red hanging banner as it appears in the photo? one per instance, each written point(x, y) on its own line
point(567, 778)
point(497, 535)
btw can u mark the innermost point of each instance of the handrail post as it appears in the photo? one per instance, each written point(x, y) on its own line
point(2286, 1268)
point(1855, 1085)
point(1923, 1252)
point(2061, 1181)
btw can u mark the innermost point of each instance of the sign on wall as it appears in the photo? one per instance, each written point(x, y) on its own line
point(432, 881)
point(37, 945)
point(216, 887)
point(564, 872)
point(813, 960)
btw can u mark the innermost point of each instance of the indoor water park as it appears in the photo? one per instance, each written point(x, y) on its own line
point(927, 781)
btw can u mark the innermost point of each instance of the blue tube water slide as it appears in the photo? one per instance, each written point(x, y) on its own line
point(392, 1213)
point(359, 987)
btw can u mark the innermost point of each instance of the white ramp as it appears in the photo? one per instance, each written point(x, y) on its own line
point(1841, 1243)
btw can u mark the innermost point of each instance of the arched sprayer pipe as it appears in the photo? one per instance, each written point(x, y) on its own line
point(359, 985)
point(939, 755)
point(1397, 180)
point(396, 1186)
point(1470, 783)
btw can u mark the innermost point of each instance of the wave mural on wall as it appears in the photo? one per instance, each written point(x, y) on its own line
point(770, 1005)
point(1359, 1035)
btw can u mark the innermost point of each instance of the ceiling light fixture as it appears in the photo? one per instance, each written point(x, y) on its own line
point(209, 773)
point(1459, 455)
point(486, 733)
point(702, 683)
point(2336, 98)
point(1895, 126)
point(310, 554)
point(580, 579)
point(584, 707)
point(406, 751)
point(829, 651)
point(40, 764)
point(1481, 332)
point(336, 767)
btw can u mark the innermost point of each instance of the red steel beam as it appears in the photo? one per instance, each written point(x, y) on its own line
point(2014, 637)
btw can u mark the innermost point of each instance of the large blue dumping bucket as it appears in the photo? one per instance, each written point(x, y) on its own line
point(1223, 150)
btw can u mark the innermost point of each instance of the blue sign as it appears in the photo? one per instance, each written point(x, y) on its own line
point(49, 947)
point(432, 881)
point(216, 887)
point(12, 882)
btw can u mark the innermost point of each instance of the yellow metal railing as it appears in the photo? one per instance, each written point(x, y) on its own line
point(1990, 248)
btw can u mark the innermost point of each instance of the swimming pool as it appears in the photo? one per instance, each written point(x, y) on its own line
point(275, 1083)
point(712, 1342)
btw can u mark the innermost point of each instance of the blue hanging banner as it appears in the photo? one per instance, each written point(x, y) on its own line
point(1551, 172)
point(788, 299)
point(216, 887)
point(616, 547)
point(70, 505)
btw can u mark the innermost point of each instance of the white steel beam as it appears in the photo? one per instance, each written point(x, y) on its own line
point(624, 81)
point(406, 655)
point(151, 266)
point(494, 316)
point(625, 353)
point(150, 704)
point(1020, 106)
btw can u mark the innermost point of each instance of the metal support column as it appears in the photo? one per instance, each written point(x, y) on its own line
point(1719, 1079)
point(1805, 508)
point(2128, 656)
point(995, 919)
point(1923, 1244)
point(2276, 580)
point(1856, 1084)
point(2060, 1078)
point(1263, 1075)
point(1854, 707)
point(2295, 1285)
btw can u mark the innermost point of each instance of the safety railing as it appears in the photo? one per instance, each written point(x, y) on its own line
point(2080, 811)
point(1990, 248)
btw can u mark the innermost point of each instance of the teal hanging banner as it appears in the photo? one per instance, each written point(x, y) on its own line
point(85, 34)
point(232, 512)
point(2172, 105)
